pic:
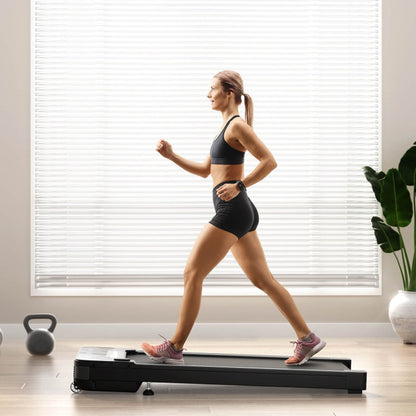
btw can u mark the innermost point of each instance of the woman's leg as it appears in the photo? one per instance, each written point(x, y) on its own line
point(250, 256)
point(209, 249)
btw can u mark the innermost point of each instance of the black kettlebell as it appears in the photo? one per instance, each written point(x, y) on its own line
point(40, 341)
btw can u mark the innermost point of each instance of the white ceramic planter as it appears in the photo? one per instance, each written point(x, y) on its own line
point(402, 314)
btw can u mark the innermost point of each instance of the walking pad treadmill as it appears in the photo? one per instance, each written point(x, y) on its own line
point(115, 369)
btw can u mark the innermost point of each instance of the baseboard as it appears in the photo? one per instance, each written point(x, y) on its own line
point(206, 330)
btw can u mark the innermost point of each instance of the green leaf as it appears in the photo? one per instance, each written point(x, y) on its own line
point(395, 200)
point(407, 165)
point(387, 238)
point(375, 179)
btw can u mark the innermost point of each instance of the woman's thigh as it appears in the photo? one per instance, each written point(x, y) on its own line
point(249, 254)
point(209, 249)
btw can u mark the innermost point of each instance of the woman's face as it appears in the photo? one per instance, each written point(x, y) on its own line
point(219, 100)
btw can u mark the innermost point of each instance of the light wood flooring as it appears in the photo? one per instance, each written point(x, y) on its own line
point(40, 385)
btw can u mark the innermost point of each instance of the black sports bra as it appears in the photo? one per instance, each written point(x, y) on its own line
point(222, 153)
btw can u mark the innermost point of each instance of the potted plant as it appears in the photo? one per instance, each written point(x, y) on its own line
point(391, 191)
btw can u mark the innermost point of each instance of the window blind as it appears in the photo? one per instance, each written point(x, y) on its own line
point(111, 78)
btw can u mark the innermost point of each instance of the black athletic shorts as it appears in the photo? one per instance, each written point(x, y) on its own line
point(238, 216)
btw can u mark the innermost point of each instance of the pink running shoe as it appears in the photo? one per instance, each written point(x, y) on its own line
point(163, 353)
point(305, 349)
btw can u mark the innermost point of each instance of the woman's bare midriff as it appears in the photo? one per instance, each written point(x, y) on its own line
point(224, 173)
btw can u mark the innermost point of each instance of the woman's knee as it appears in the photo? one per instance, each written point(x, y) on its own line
point(191, 276)
point(262, 282)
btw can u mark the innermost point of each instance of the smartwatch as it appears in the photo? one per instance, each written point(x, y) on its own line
point(241, 185)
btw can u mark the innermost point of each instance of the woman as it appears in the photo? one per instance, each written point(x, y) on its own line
point(234, 225)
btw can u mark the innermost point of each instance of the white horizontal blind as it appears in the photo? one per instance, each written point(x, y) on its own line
point(110, 78)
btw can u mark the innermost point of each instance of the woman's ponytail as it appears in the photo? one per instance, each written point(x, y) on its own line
point(248, 104)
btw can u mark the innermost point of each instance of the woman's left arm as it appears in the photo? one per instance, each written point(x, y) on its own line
point(258, 149)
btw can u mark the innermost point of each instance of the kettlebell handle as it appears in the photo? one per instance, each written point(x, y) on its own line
point(39, 316)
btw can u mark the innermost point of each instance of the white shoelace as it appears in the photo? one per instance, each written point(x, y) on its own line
point(166, 340)
point(298, 345)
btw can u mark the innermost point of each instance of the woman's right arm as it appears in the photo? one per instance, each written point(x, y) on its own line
point(200, 169)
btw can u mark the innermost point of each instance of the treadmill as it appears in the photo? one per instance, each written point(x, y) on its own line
point(117, 369)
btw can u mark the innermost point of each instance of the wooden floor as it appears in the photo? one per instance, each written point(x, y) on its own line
point(40, 385)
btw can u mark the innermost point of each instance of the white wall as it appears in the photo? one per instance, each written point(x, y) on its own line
point(399, 132)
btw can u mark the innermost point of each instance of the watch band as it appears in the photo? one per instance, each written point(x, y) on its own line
point(241, 185)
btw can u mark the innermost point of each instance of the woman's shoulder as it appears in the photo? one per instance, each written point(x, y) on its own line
point(238, 131)
point(240, 126)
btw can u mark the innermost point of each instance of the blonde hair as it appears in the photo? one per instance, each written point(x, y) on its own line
point(232, 81)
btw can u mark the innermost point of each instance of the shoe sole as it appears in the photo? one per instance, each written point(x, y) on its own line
point(311, 353)
point(164, 360)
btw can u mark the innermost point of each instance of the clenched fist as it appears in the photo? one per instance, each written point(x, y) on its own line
point(164, 148)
